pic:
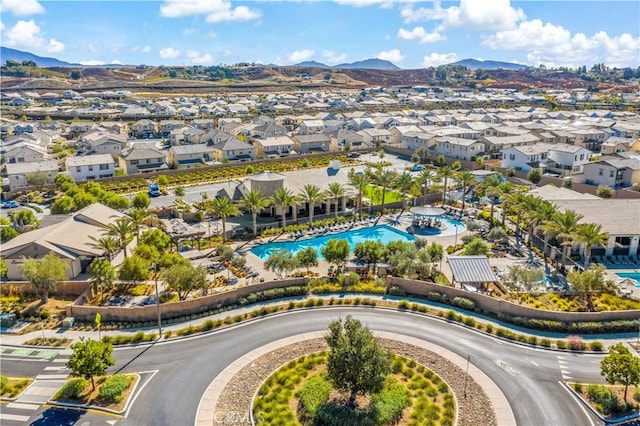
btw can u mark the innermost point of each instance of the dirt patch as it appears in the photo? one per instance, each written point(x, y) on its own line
point(91, 396)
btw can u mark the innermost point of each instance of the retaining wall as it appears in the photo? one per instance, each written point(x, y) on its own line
point(75, 288)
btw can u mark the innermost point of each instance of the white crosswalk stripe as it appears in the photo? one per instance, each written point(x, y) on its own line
point(14, 417)
point(564, 368)
point(21, 406)
point(59, 360)
point(51, 376)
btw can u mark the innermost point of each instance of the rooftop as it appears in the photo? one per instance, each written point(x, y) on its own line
point(471, 269)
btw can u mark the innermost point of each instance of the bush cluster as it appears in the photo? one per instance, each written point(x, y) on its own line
point(113, 387)
point(605, 401)
point(313, 394)
point(136, 338)
point(72, 389)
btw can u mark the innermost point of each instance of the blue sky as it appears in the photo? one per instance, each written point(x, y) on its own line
point(412, 34)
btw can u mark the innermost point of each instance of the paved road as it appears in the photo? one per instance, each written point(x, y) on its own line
point(529, 378)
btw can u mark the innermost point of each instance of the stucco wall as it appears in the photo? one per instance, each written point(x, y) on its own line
point(75, 288)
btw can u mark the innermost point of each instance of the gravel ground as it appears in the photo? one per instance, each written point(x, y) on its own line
point(235, 401)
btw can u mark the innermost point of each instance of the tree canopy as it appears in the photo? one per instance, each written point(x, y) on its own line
point(90, 358)
point(621, 367)
point(336, 251)
point(183, 279)
point(44, 274)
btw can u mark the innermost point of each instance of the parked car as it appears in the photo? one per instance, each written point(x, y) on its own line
point(10, 204)
point(154, 190)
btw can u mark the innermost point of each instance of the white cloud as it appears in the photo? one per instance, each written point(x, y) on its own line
point(554, 45)
point(333, 58)
point(214, 10)
point(188, 31)
point(418, 33)
point(301, 55)
point(470, 14)
point(169, 53)
point(55, 46)
point(27, 35)
point(393, 55)
point(21, 7)
point(435, 59)
point(115, 62)
point(199, 58)
point(142, 49)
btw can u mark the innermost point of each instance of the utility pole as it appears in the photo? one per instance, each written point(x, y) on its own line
point(155, 276)
point(466, 376)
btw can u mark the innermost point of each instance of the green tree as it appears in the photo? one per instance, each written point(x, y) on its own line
point(115, 201)
point(103, 275)
point(169, 259)
point(336, 251)
point(335, 192)
point(283, 198)
point(412, 262)
point(157, 238)
point(491, 188)
point(446, 173)
point(223, 208)
point(370, 252)
point(24, 217)
point(63, 205)
point(385, 179)
point(477, 246)
point(307, 257)
point(590, 235)
point(44, 274)
point(311, 194)
point(426, 178)
point(162, 180)
point(37, 179)
point(534, 176)
point(522, 280)
point(90, 358)
point(254, 202)
point(466, 179)
point(605, 191)
point(83, 199)
point(183, 279)
point(436, 252)
point(63, 181)
point(621, 367)
point(147, 252)
point(404, 183)
point(179, 191)
point(134, 269)
point(141, 201)
point(107, 245)
point(589, 283)
point(7, 231)
point(546, 214)
point(563, 226)
point(282, 262)
point(359, 182)
point(75, 75)
point(3, 268)
point(356, 363)
point(123, 229)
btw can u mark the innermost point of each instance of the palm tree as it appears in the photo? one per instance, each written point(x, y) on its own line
point(531, 206)
point(589, 234)
point(466, 178)
point(141, 217)
point(254, 201)
point(513, 202)
point(335, 192)
point(385, 179)
point(446, 172)
point(311, 195)
point(425, 178)
point(283, 198)
point(404, 182)
point(546, 213)
point(493, 191)
point(108, 244)
point(223, 208)
point(359, 182)
point(123, 229)
point(564, 226)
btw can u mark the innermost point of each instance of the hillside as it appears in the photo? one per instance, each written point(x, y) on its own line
point(474, 64)
point(370, 64)
point(19, 55)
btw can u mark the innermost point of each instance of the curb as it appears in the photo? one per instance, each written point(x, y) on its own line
point(596, 412)
point(97, 407)
point(20, 394)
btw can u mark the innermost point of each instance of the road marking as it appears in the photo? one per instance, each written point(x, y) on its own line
point(60, 360)
point(51, 376)
point(111, 422)
point(507, 367)
point(47, 354)
point(21, 406)
point(15, 417)
point(22, 351)
point(579, 403)
point(58, 368)
point(535, 363)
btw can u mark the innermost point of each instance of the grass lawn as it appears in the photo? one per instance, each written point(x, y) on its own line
point(374, 193)
point(11, 387)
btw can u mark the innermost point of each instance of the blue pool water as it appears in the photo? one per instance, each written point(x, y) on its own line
point(632, 275)
point(382, 233)
point(452, 226)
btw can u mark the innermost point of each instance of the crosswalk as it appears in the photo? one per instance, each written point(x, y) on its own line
point(16, 412)
point(564, 368)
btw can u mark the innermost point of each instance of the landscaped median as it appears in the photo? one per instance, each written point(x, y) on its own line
point(111, 393)
point(12, 387)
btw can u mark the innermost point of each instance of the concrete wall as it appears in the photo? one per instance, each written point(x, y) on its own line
point(176, 309)
point(495, 306)
point(75, 288)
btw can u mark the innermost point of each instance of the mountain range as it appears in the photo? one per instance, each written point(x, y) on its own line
point(473, 64)
point(372, 64)
point(19, 55)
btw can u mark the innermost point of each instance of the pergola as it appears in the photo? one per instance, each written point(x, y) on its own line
point(427, 211)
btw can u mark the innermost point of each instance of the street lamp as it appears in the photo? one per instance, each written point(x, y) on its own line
point(155, 276)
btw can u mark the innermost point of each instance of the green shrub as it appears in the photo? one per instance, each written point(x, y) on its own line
point(4, 382)
point(464, 303)
point(604, 399)
point(596, 346)
point(561, 344)
point(403, 304)
point(544, 342)
point(390, 402)
point(436, 296)
point(577, 387)
point(314, 393)
point(114, 386)
point(72, 389)
point(636, 394)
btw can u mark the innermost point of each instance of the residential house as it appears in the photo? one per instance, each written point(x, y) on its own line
point(614, 171)
point(273, 147)
point(142, 160)
point(268, 130)
point(25, 153)
point(17, 172)
point(118, 127)
point(203, 123)
point(567, 159)
point(494, 145)
point(166, 126)
point(414, 140)
point(311, 126)
point(234, 150)
point(189, 156)
point(525, 158)
point(89, 167)
point(144, 129)
point(305, 144)
point(459, 148)
point(70, 239)
point(616, 144)
point(102, 142)
point(376, 136)
point(78, 128)
point(215, 136)
point(344, 139)
point(186, 135)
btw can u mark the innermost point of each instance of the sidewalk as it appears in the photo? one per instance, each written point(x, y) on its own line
point(18, 340)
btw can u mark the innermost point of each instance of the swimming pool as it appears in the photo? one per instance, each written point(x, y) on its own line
point(452, 225)
point(382, 233)
point(632, 275)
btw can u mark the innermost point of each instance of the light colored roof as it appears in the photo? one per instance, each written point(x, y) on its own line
point(552, 193)
point(471, 269)
point(136, 153)
point(617, 216)
point(22, 168)
point(275, 141)
point(89, 160)
point(266, 176)
point(190, 149)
